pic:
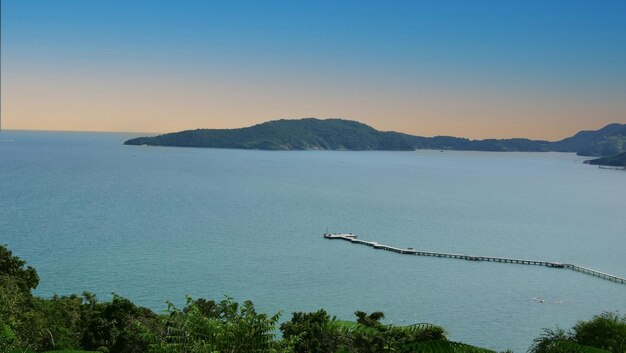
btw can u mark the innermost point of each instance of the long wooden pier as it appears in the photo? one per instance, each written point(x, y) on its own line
point(411, 251)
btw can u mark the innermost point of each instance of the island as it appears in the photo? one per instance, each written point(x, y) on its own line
point(340, 134)
point(618, 160)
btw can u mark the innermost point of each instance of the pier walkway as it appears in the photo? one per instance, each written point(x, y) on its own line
point(411, 251)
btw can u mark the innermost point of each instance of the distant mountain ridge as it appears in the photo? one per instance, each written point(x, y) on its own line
point(607, 141)
point(339, 134)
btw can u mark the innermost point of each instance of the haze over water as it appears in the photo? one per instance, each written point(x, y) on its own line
point(156, 224)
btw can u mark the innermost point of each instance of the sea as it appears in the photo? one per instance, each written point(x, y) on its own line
point(157, 224)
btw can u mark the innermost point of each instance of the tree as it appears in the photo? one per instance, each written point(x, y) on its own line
point(119, 325)
point(311, 332)
point(603, 333)
point(226, 328)
point(24, 324)
point(606, 331)
point(13, 267)
point(551, 341)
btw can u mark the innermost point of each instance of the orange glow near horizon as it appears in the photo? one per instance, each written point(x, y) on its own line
point(166, 104)
point(540, 70)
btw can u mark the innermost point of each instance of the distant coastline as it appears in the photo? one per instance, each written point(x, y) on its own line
point(339, 134)
point(617, 161)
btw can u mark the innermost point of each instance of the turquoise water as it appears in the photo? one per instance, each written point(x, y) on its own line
point(155, 224)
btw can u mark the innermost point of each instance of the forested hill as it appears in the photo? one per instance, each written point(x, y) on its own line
point(614, 161)
point(339, 134)
point(303, 134)
point(610, 140)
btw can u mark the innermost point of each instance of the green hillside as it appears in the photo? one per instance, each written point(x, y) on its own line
point(609, 140)
point(329, 134)
point(618, 160)
point(303, 134)
point(338, 134)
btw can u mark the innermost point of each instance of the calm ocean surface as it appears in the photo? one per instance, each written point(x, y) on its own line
point(155, 224)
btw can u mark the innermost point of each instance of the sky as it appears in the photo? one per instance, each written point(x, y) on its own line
point(477, 69)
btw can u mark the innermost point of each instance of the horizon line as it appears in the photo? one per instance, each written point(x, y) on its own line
point(167, 132)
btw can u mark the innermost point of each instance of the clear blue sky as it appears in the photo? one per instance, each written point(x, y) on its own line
point(476, 68)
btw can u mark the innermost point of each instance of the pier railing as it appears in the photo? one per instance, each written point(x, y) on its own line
point(411, 251)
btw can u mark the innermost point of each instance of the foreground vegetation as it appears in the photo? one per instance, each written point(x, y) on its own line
point(32, 324)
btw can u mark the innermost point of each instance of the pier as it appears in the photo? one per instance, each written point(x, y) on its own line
point(411, 251)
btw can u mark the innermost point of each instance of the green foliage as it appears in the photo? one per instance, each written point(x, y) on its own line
point(66, 324)
point(226, 328)
point(390, 338)
point(618, 160)
point(445, 347)
point(317, 332)
point(371, 320)
point(16, 303)
point(606, 331)
point(311, 333)
point(603, 333)
point(120, 326)
point(566, 346)
point(550, 341)
point(55, 351)
point(69, 351)
point(72, 322)
point(7, 338)
point(13, 267)
point(61, 317)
